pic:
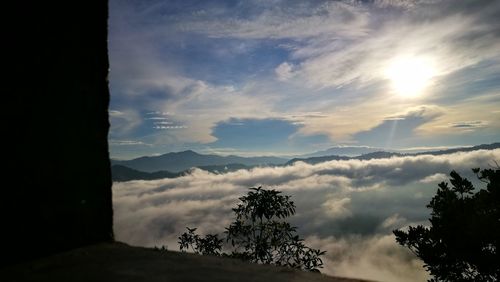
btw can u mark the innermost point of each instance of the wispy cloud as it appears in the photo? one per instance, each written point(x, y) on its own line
point(347, 208)
point(124, 122)
point(287, 19)
point(343, 42)
point(469, 124)
point(126, 143)
point(284, 71)
point(399, 129)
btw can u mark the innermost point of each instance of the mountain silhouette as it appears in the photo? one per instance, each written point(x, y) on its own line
point(123, 173)
point(491, 146)
point(348, 151)
point(181, 161)
point(173, 165)
point(384, 154)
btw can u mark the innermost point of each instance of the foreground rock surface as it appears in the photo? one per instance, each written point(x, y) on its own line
point(120, 262)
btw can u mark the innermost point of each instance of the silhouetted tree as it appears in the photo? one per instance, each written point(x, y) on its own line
point(260, 234)
point(208, 245)
point(462, 242)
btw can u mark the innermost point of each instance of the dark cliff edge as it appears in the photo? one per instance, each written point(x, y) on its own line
point(118, 262)
point(54, 111)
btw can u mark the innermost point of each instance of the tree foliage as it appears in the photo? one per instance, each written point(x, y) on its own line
point(259, 234)
point(208, 245)
point(463, 239)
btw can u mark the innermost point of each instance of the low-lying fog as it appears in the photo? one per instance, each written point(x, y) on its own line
point(347, 208)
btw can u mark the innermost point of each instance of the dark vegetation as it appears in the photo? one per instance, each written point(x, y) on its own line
point(462, 242)
point(259, 234)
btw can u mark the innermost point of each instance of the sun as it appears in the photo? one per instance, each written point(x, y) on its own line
point(410, 75)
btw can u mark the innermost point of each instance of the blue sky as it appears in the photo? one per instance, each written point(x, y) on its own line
point(288, 77)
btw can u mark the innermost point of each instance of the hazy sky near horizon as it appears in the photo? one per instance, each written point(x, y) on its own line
point(284, 77)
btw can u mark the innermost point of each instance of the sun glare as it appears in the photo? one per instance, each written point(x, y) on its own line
point(410, 75)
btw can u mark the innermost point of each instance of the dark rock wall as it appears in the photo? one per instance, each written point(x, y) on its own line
point(56, 190)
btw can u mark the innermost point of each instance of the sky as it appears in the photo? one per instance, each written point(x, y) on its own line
point(276, 77)
point(347, 208)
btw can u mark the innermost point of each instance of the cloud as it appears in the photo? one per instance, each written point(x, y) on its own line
point(344, 42)
point(192, 105)
point(284, 71)
point(434, 178)
point(113, 142)
point(337, 208)
point(347, 208)
point(402, 4)
point(453, 39)
point(399, 129)
point(285, 19)
point(124, 122)
point(469, 125)
point(375, 258)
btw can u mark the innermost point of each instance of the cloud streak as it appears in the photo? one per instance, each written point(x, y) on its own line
point(288, 20)
point(345, 207)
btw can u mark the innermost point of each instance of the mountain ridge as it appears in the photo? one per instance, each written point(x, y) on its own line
point(181, 161)
point(122, 172)
point(385, 154)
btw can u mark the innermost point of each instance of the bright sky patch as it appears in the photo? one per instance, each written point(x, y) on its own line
point(410, 75)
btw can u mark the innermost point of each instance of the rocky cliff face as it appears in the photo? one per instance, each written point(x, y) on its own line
point(54, 111)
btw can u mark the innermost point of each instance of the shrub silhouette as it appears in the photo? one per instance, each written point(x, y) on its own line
point(259, 234)
point(462, 242)
point(209, 245)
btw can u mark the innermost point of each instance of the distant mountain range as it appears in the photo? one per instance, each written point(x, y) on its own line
point(181, 161)
point(349, 151)
point(176, 164)
point(491, 146)
point(123, 173)
point(383, 154)
point(316, 160)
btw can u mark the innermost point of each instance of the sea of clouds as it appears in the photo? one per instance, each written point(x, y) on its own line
point(348, 208)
